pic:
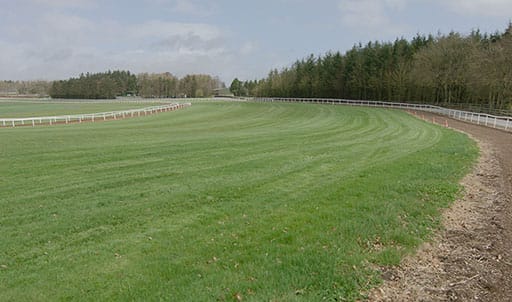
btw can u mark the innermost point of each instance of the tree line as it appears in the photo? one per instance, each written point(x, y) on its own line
point(112, 84)
point(25, 88)
point(167, 85)
point(451, 70)
point(103, 85)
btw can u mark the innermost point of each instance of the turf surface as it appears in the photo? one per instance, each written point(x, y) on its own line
point(29, 108)
point(221, 201)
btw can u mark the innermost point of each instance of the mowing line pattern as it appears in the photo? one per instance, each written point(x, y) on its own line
point(267, 201)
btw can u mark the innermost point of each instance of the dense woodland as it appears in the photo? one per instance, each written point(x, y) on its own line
point(105, 85)
point(452, 70)
point(111, 84)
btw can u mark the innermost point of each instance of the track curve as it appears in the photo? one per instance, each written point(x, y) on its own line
point(470, 259)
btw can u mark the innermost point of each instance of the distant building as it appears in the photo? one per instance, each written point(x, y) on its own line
point(222, 93)
point(8, 91)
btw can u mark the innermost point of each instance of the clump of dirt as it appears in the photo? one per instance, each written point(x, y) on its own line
point(470, 259)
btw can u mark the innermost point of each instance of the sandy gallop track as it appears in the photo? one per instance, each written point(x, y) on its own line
point(471, 259)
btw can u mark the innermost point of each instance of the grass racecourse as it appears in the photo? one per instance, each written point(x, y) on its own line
point(221, 201)
point(28, 108)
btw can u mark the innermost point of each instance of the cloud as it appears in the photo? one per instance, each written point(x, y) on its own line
point(490, 8)
point(189, 42)
point(186, 7)
point(63, 3)
point(248, 47)
point(370, 15)
point(396, 4)
point(191, 7)
point(65, 24)
point(65, 44)
point(158, 28)
point(51, 56)
point(362, 13)
point(178, 38)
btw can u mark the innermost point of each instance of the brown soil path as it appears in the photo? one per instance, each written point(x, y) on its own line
point(471, 258)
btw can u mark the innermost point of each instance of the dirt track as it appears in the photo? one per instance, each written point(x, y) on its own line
point(471, 259)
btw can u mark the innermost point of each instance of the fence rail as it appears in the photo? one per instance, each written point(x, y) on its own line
point(89, 117)
point(498, 122)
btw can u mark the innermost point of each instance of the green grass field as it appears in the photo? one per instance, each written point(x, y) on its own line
point(40, 108)
point(221, 201)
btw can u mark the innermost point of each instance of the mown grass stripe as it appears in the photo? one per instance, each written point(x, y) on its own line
point(272, 201)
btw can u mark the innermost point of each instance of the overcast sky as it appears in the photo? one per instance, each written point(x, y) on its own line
point(57, 39)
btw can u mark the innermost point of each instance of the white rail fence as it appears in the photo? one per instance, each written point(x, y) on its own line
point(498, 122)
point(89, 117)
